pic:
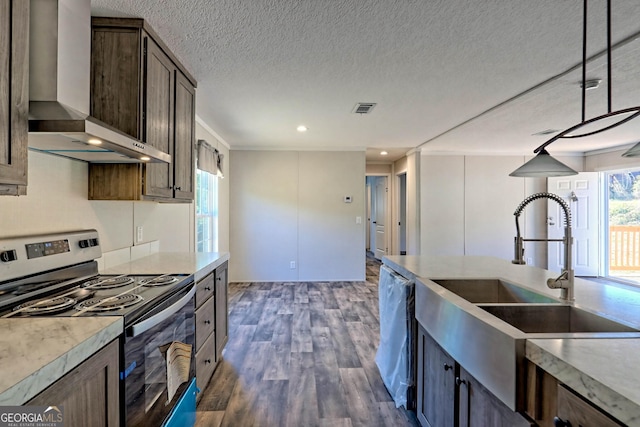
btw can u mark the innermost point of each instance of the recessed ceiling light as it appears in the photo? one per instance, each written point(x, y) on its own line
point(383, 153)
point(301, 128)
point(145, 158)
point(94, 141)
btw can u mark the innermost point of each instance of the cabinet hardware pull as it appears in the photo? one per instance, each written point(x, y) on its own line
point(207, 361)
point(207, 288)
point(460, 381)
point(207, 322)
point(559, 422)
point(447, 367)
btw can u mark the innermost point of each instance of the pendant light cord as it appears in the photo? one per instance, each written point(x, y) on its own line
point(584, 60)
point(609, 95)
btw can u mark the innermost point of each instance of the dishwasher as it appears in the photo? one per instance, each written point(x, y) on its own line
point(395, 355)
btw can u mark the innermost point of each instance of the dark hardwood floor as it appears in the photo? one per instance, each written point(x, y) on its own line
point(301, 354)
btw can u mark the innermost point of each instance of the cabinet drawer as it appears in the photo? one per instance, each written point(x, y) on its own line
point(205, 321)
point(205, 363)
point(577, 411)
point(204, 290)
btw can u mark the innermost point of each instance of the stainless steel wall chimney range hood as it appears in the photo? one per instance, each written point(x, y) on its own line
point(59, 85)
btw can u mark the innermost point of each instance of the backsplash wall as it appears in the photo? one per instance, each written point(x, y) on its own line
point(56, 200)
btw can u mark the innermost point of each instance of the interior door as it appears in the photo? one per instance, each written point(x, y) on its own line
point(381, 217)
point(581, 194)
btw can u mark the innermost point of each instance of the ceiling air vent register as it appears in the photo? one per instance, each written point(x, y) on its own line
point(363, 107)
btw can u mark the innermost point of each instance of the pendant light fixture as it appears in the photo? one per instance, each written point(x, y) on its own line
point(543, 165)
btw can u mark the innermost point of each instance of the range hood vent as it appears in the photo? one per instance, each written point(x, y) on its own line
point(59, 85)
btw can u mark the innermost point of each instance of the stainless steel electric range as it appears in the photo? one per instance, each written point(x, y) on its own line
point(57, 275)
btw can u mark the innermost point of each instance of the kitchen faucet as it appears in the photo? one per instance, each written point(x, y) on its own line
point(564, 282)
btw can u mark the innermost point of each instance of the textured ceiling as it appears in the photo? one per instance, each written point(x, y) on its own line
point(440, 71)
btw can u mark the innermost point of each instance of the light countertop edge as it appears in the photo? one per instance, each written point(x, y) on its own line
point(613, 390)
point(197, 263)
point(36, 352)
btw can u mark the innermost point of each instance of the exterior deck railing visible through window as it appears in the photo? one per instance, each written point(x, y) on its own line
point(624, 248)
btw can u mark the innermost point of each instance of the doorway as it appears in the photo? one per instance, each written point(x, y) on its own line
point(622, 225)
point(378, 217)
point(581, 193)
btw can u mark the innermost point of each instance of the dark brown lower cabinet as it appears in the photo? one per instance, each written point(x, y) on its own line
point(222, 309)
point(552, 404)
point(212, 323)
point(479, 407)
point(89, 394)
point(436, 383)
point(449, 396)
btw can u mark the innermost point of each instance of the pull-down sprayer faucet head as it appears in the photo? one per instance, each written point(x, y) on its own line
point(565, 280)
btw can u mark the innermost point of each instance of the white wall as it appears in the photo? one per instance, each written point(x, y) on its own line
point(288, 206)
point(611, 160)
point(467, 205)
point(442, 205)
point(56, 200)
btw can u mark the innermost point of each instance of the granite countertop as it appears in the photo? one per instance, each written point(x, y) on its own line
point(197, 263)
point(35, 352)
point(603, 370)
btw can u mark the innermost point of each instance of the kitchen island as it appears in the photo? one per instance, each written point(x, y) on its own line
point(576, 362)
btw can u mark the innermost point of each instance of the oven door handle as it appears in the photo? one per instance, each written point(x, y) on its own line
point(149, 323)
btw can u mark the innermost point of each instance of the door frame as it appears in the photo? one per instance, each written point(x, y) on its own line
point(399, 218)
point(389, 231)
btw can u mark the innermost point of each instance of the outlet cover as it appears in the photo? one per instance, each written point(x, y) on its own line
point(292, 265)
point(139, 235)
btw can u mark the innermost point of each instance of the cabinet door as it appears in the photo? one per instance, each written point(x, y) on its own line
point(88, 393)
point(479, 407)
point(183, 155)
point(222, 310)
point(158, 111)
point(116, 94)
point(575, 411)
point(436, 383)
point(14, 94)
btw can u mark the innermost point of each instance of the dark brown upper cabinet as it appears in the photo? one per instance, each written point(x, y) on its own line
point(140, 88)
point(14, 95)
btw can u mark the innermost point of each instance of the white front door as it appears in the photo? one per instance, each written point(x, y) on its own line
point(581, 194)
point(381, 217)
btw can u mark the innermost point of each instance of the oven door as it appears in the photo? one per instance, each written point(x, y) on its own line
point(159, 359)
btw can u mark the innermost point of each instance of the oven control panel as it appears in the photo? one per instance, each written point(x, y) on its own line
point(35, 250)
point(28, 255)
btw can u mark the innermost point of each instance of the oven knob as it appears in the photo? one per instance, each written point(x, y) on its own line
point(9, 255)
point(87, 243)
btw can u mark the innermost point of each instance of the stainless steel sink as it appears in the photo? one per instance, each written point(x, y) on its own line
point(480, 291)
point(484, 327)
point(551, 319)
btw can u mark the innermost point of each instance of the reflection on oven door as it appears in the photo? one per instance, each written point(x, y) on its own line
point(152, 387)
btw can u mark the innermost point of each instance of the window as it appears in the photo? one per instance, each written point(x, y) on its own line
point(206, 212)
point(624, 225)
